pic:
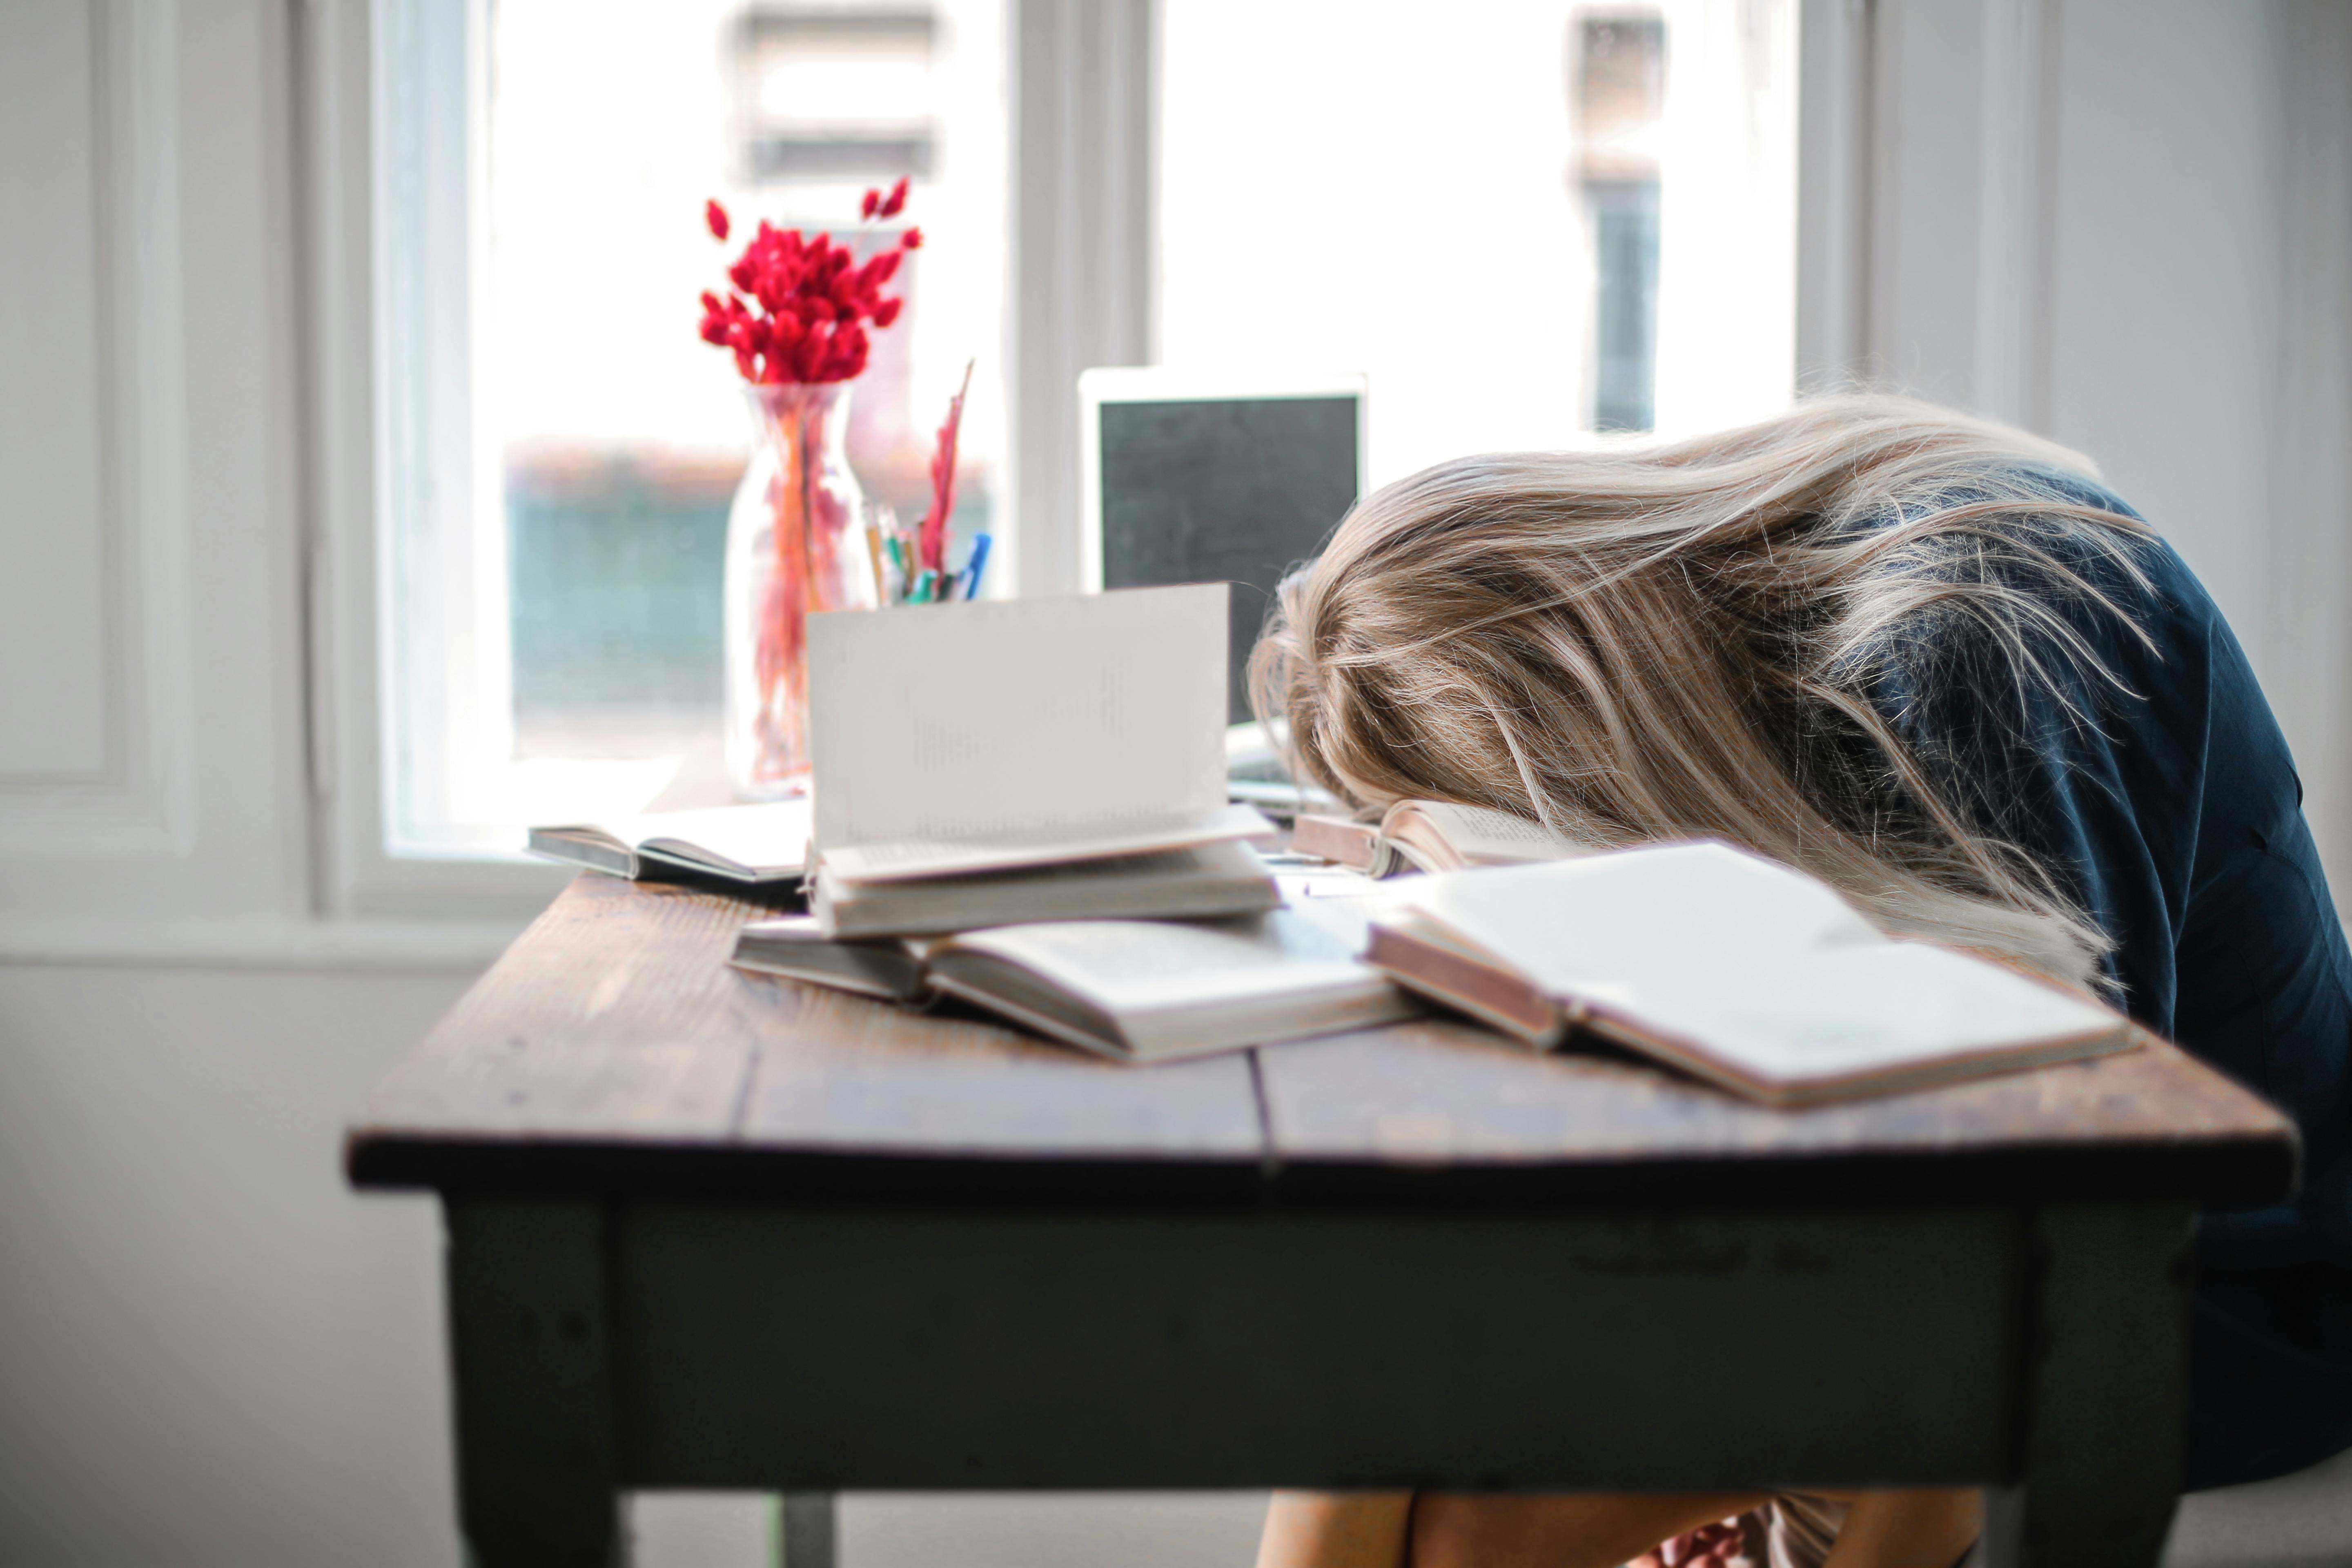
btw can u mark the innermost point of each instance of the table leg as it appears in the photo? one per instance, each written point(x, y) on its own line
point(809, 1540)
point(530, 1346)
point(2107, 1390)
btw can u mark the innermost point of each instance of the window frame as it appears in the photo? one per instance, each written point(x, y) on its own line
point(384, 414)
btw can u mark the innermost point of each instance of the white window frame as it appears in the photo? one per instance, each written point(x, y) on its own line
point(392, 419)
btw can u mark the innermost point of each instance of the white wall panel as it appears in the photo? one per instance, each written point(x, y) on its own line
point(148, 159)
point(2302, 643)
point(57, 622)
point(211, 1350)
point(2165, 313)
point(94, 606)
point(2127, 225)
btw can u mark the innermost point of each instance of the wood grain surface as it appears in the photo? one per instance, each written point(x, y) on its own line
point(613, 1048)
point(1437, 1095)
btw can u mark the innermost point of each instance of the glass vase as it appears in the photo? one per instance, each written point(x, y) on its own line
point(795, 544)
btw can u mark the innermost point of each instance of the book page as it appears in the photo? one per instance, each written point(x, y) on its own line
point(1752, 965)
point(913, 860)
point(1476, 835)
point(1671, 915)
point(1123, 965)
point(1025, 722)
point(1851, 1012)
point(770, 835)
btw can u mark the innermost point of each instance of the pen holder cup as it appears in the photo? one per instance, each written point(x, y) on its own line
point(795, 545)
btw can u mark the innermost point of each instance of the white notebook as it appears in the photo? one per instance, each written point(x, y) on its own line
point(987, 736)
point(1727, 965)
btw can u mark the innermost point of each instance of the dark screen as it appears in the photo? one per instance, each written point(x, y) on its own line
point(1232, 489)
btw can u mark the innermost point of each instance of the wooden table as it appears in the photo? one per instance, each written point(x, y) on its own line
point(713, 1230)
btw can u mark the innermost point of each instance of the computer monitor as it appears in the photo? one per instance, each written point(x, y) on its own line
point(1192, 477)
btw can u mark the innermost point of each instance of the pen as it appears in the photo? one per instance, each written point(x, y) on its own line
point(924, 583)
point(901, 568)
point(973, 567)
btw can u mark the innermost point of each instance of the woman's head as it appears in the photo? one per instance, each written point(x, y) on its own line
point(1632, 646)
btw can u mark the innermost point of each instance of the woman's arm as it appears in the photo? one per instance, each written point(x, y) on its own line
point(1920, 1528)
point(1335, 1530)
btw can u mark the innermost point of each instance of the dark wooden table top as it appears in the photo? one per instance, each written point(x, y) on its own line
point(612, 1051)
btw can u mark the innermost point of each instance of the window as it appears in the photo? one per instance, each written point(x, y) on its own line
point(1531, 224)
point(562, 446)
point(1620, 72)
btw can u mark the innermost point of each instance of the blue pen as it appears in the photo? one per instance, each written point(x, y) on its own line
point(972, 568)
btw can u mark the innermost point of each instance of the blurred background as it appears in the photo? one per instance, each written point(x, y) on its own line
point(362, 487)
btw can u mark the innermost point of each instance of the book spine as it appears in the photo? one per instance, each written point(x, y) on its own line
point(1502, 999)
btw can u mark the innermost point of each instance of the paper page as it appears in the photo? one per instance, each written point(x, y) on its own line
point(1850, 1012)
point(1140, 965)
point(1673, 915)
point(909, 861)
point(1024, 721)
point(1479, 833)
point(769, 836)
point(1752, 963)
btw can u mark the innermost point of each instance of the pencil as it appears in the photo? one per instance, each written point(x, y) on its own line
point(881, 576)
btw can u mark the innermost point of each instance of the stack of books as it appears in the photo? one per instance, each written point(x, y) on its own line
point(1024, 806)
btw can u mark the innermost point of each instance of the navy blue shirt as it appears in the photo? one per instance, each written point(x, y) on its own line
point(2166, 804)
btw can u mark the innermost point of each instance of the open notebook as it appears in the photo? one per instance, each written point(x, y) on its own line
point(759, 846)
point(1003, 737)
point(1429, 835)
point(1138, 990)
point(1730, 966)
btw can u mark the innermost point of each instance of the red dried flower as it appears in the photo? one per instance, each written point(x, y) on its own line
point(800, 306)
point(716, 217)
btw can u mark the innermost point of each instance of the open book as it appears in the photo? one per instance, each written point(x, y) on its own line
point(1138, 990)
point(1430, 835)
point(992, 737)
point(1730, 966)
point(756, 846)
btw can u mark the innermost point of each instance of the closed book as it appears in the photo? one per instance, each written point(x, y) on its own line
point(794, 945)
point(1219, 878)
point(1740, 971)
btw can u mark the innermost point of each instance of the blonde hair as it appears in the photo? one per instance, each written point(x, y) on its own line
point(1638, 644)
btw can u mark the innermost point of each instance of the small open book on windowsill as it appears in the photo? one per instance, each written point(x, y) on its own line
point(1743, 972)
point(988, 762)
point(762, 846)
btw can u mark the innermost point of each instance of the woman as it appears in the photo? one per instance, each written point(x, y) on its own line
point(1936, 664)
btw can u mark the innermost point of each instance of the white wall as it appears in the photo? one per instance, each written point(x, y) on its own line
point(2123, 220)
point(2127, 225)
point(210, 1351)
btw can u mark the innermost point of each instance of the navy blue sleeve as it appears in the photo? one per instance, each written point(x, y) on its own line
point(2162, 797)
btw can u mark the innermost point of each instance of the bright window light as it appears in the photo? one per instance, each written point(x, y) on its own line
point(1529, 224)
point(560, 445)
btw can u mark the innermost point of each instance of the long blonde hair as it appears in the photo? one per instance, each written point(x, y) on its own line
point(1637, 644)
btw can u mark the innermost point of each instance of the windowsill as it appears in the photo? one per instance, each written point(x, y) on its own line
point(493, 809)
